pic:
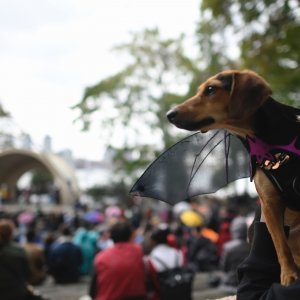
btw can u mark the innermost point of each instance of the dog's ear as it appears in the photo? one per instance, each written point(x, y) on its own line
point(248, 93)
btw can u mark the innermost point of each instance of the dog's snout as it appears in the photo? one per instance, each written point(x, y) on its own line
point(171, 115)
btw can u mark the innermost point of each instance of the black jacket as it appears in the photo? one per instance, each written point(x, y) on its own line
point(259, 274)
point(14, 272)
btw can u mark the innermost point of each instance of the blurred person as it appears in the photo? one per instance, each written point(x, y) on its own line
point(65, 258)
point(49, 240)
point(86, 239)
point(14, 265)
point(213, 218)
point(162, 251)
point(165, 265)
point(224, 236)
point(202, 252)
point(146, 232)
point(36, 257)
point(119, 272)
point(181, 237)
point(234, 252)
point(227, 215)
point(54, 220)
point(210, 234)
point(104, 240)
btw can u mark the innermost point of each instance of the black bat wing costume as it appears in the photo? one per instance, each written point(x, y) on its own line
point(199, 164)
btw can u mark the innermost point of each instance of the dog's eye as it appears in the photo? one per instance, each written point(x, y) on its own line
point(210, 90)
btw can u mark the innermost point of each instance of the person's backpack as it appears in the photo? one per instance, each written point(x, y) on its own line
point(175, 283)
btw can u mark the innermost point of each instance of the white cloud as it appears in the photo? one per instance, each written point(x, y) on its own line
point(51, 50)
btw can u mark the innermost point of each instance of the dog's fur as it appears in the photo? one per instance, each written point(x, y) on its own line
point(240, 102)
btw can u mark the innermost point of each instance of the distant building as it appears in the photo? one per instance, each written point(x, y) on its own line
point(47, 144)
point(93, 173)
point(26, 142)
point(67, 155)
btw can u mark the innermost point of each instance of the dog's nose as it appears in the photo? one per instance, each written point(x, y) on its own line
point(171, 115)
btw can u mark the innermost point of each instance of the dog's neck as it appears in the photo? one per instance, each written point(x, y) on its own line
point(239, 128)
point(273, 122)
point(276, 123)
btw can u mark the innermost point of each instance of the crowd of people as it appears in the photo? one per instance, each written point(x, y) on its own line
point(124, 255)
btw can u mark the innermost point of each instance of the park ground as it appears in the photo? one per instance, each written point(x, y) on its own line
point(78, 290)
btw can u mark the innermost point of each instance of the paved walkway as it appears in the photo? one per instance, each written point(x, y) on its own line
point(76, 291)
point(55, 291)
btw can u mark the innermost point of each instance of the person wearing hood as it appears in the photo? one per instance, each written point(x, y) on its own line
point(65, 259)
point(234, 252)
point(14, 265)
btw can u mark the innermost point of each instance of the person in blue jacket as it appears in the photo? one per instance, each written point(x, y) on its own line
point(65, 259)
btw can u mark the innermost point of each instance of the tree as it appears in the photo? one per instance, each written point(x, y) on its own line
point(117, 191)
point(41, 181)
point(263, 34)
point(131, 105)
point(3, 113)
point(6, 137)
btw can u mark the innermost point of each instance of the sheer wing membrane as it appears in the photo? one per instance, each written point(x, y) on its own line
point(199, 164)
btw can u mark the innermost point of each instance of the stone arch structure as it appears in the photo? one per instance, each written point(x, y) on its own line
point(16, 162)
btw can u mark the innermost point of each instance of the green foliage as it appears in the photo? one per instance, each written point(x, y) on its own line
point(267, 35)
point(118, 191)
point(6, 138)
point(262, 35)
point(41, 181)
point(3, 113)
point(131, 105)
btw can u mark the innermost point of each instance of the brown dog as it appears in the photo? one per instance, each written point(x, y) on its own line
point(240, 102)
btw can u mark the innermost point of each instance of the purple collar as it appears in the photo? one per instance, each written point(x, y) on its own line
point(262, 151)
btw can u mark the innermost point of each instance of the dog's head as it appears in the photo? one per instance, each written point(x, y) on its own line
point(226, 99)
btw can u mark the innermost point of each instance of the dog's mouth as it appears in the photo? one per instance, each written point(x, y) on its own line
point(194, 126)
point(184, 122)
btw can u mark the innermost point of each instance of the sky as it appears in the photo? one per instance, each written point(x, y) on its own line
point(50, 50)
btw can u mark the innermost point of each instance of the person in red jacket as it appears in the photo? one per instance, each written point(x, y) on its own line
point(119, 271)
